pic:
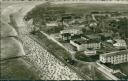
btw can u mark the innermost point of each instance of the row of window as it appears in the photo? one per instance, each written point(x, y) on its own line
point(109, 60)
point(118, 56)
point(93, 45)
point(119, 61)
point(114, 59)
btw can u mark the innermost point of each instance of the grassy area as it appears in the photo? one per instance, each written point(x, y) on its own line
point(83, 57)
point(51, 30)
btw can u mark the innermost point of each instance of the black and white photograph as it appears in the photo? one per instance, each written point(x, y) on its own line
point(71, 40)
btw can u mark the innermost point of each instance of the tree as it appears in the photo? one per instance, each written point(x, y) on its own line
point(123, 27)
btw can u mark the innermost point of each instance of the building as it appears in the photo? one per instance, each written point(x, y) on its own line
point(93, 24)
point(118, 17)
point(90, 52)
point(104, 15)
point(70, 33)
point(66, 36)
point(52, 24)
point(105, 36)
point(82, 44)
point(110, 34)
point(115, 57)
point(120, 44)
point(92, 37)
point(109, 41)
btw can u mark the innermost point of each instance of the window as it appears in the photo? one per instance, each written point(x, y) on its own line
point(108, 59)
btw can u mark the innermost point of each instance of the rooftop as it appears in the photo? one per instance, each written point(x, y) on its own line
point(52, 24)
point(71, 31)
point(83, 41)
point(106, 34)
point(120, 40)
point(115, 53)
point(93, 36)
point(80, 41)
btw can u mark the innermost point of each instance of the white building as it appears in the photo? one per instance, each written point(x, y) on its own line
point(120, 43)
point(82, 44)
point(51, 24)
point(109, 41)
point(101, 14)
point(115, 57)
point(71, 31)
point(90, 52)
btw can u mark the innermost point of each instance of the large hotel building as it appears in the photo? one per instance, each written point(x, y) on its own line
point(115, 57)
